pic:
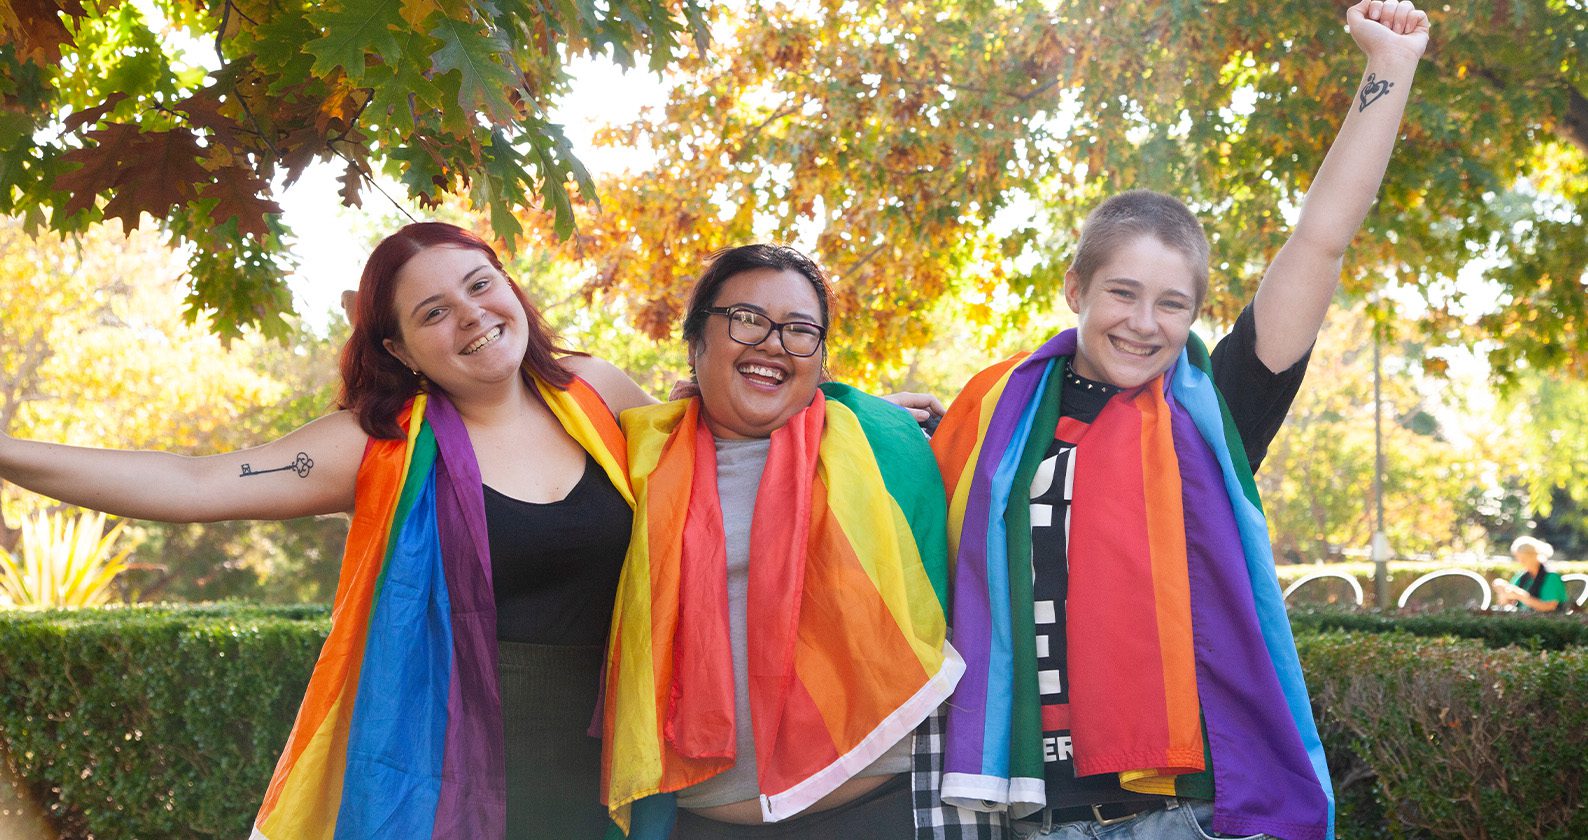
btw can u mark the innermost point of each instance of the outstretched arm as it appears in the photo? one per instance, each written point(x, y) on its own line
point(1296, 290)
point(310, 471)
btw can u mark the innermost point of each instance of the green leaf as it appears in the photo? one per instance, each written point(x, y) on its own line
point(410, 90)
point(501, 186)
point(354, 30)
point(419, 171)
point(483, 64)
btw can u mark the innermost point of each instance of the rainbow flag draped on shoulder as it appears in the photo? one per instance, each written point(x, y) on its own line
point(399, 736)
point(1175, 624)
point(847, 653)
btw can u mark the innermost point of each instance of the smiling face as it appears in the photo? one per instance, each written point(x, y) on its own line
point(750, 392)
point(1135, 312)
point(460, 323)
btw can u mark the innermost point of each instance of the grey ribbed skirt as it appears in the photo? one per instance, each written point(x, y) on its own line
point(553, 765)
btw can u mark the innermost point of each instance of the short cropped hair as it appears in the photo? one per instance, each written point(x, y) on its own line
point(1131, 214)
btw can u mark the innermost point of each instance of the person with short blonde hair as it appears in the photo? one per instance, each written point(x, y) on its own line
point(1126, 644)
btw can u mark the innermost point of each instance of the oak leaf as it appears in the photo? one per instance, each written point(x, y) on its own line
point(354, 30)
point(36, 28)
point(484, 80)
point(160, 172)
point(147, 172)
point(89, 116)
point(237, 195)
point(352, 181)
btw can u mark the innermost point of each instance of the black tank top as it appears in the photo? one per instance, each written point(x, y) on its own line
point(554, 566)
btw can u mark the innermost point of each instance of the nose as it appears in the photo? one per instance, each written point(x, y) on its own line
point(471, 313)
point(773, 334)
point(1141, 317)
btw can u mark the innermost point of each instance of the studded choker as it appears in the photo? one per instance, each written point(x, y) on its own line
point(1075, 380)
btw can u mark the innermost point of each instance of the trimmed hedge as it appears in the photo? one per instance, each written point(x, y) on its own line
point(1449, 737)
point(153, 722)
point(1533, 631)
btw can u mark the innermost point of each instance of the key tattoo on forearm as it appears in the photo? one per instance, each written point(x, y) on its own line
point(300, 465)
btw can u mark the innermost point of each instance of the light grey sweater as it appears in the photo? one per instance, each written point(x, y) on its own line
point(740, 464)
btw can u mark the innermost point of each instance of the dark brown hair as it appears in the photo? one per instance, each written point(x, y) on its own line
point(375, 384)
point(728, 262)
point(1134, 213)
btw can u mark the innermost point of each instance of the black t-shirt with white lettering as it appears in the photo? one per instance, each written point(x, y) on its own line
point(1258, 401)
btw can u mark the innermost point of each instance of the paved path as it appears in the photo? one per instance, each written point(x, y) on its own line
point(20, 817)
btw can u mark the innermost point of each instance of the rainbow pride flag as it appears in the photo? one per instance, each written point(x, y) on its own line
point(1170, 571)
point(400, 733)
point(847, 583)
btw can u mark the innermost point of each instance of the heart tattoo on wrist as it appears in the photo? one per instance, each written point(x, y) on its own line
point(1373, 90)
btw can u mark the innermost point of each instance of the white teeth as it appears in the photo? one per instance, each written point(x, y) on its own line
point(1132, 347)
point(759, 370)
point(494, 334)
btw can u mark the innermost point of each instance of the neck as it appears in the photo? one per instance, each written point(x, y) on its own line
point(501, 407)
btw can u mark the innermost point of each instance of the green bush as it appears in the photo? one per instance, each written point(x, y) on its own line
point(157, 722)
point(1451, 738)
point(1533, 631)
point(165, 722)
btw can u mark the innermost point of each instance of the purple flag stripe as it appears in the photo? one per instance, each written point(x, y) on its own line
point(473, 801)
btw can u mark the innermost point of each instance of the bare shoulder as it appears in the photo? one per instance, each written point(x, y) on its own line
point(340, 427)
point(614, 386)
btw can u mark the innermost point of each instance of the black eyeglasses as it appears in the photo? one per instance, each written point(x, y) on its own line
point(749, 327)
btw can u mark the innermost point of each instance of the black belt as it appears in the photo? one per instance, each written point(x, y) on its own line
point(1106, 814)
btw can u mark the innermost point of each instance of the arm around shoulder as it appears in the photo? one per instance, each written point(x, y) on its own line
point(312, 470)
point(615, 387)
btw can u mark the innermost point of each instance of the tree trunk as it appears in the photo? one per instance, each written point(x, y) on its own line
point(1574, 127)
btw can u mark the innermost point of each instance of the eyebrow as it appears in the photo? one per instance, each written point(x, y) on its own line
point(438, 295)
point(794, 316)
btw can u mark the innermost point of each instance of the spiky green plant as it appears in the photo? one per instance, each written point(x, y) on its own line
point(63, 561)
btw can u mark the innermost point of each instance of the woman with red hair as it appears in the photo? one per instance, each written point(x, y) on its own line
point(486, 478)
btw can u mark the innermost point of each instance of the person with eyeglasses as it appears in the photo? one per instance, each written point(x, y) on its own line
point(779, 629)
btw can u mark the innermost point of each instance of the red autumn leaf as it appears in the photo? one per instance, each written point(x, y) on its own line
point(352, 181)
point(203, 110)
point(162, 171)
point(99, 167)
point(298, 149)
point(36, 27)
point(148, 172)
point(89, 116)
point(237, 191)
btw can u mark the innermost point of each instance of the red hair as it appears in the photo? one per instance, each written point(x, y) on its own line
point(375, 384)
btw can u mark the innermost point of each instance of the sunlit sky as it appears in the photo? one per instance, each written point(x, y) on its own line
point(330, 242)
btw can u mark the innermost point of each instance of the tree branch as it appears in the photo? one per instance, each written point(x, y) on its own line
point(864, 258)
point(1573, 125)
point(35, 351)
